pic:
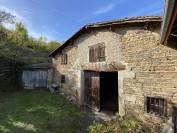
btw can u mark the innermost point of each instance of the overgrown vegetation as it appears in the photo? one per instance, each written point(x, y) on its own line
point(17, 44)
point(10, 73)
point(17, 49)
point(38, 112)
point(124, 124)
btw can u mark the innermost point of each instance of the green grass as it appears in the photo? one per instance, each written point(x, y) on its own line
point(38, 112)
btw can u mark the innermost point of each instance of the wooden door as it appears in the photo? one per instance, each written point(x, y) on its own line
point(35, 78)
point(41, 79)
point(92, 90)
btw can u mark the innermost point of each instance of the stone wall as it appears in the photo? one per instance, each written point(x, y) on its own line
point(78, 60)
point(155, 68)
point(150, 68)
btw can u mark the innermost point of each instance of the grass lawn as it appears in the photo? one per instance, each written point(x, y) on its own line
point(38, 112)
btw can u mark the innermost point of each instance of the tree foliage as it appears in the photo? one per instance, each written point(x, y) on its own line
point(20, 35)
point(10, 73)
point(6, 17)
point(18, 48)
point(53, 45)
point(18, 44)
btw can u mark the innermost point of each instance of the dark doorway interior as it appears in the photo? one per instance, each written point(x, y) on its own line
point(109, 91)
point(175, 119)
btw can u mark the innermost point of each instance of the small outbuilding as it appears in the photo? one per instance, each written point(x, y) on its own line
point(37, 76)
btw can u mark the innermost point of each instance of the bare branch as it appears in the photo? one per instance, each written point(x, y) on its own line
point(6, 17)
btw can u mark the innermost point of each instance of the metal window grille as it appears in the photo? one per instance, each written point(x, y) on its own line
point(157, 106)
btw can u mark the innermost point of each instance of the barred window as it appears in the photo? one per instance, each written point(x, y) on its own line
point(157, 106)
point(64, 59)
point(97, 53)
point(62, 78)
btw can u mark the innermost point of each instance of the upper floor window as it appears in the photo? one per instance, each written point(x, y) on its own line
point(64, 59)
point(97, 53)
point(157, 106)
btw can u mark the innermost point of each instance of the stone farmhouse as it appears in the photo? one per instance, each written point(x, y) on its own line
point(128, 66)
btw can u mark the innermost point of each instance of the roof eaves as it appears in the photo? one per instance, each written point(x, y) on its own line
point(108, 23)
point(62, 46)
point(169, 7)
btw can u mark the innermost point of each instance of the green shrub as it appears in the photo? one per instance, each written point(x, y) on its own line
point(10, 74)
point(122, 124)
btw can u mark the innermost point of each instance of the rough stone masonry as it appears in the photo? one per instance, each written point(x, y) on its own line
point(145, 68)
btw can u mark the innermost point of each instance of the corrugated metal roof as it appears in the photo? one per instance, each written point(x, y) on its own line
point(39, 66)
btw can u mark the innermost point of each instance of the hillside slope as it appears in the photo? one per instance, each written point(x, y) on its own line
point(23, 54)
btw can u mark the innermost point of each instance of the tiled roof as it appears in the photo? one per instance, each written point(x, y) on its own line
point(109, 23)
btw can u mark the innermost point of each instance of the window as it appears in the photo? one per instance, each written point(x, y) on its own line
point(64, 59)
point(157, 106)
point(62, 78)
point(97, 53)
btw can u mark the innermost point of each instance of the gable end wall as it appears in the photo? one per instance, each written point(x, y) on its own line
point(150, 69)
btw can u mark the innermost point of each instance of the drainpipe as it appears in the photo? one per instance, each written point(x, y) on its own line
point(169, 7)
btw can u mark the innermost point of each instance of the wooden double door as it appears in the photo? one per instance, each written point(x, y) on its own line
point(35, 78)
point(95, 94)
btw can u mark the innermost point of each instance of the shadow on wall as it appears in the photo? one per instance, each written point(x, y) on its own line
point(67, 85)
point(172, 42)
point(172, 120)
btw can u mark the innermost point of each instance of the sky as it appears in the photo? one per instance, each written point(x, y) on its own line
point(60, 19)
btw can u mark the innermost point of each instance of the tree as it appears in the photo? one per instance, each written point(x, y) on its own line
point(6, 17)
point(42, 40)
point(21, 30)
point(52, 45)
point(20, 34)
point(3, 33)
point(10, 73)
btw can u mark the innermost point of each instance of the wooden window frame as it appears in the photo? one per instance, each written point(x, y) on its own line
point(156, 106)
point(97, 53)
point(64, 59)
